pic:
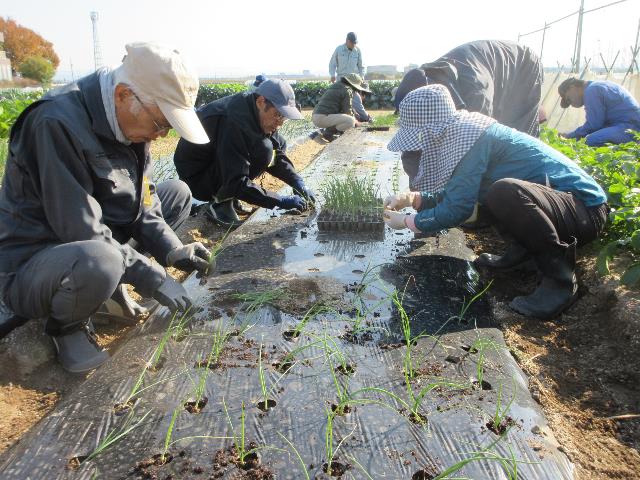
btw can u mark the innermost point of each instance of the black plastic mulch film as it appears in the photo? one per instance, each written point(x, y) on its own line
point(465, 373)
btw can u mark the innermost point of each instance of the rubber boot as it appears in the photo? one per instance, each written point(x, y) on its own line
point(240, 208)
point(223, 214)
point(558, 288)
point(515, 256)
point(78, 350)
point(329, 133)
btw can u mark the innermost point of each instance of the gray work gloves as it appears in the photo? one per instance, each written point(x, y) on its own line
point(193, 256)
point(173, 295)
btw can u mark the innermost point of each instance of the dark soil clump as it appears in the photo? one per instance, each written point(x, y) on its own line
point(337, 468)
point(504, 425)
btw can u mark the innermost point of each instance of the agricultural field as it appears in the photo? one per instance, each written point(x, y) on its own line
point(320, 349)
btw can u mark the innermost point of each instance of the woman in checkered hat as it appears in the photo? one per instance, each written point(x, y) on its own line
point(538, 199)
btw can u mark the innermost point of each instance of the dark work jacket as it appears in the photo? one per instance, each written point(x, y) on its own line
point(238, 152)
point(338, 98)
point(68, 179)
point(500, 79)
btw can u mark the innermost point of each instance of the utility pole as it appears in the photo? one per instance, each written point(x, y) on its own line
point(578, 46)
point(97, 51)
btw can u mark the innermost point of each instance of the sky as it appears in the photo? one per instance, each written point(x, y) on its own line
point(244, 38)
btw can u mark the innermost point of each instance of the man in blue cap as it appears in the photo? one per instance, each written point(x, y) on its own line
point(245, 143)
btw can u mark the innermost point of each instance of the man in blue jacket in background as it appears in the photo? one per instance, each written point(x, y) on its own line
point(610, 109)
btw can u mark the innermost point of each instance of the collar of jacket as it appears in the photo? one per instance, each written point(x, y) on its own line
point(249, 117)
point(89, 86)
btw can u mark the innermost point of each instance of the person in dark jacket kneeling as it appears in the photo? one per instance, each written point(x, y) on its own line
point(78, 198)
point(539, 200)
point(245, 143)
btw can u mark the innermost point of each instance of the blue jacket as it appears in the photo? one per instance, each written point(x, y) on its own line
point(502, 152)
point(607, 104)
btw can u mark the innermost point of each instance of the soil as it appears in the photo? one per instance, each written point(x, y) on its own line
point(582, 370)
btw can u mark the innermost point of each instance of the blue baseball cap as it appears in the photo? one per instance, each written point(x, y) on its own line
point(281, 95)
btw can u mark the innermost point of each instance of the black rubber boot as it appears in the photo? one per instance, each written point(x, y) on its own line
point(329, 133)
point(515, 255)
point(240, 208)
point(223, 214)
point(558, 288)
point(78, 350)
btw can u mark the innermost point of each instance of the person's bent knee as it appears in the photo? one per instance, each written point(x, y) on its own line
point(100, 264)
point(501, 194)
point(347, 124)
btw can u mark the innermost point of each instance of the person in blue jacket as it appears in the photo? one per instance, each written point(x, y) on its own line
point(610, 109)
point(541, 201)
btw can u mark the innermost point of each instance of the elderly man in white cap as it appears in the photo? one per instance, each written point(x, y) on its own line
point(78, 197)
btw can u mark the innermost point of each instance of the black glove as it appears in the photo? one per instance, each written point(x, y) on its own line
point(301, 189)
point(289, 202)
point(173, 295)
point(193, 256)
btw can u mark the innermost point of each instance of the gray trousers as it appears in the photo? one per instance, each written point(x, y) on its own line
point(69, 282)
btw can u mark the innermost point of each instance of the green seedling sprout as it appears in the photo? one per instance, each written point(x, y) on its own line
point(342, 391)
point(263, 382)
point(480, 346)
point(328, 440)
point(466, 305)
point(215, 251)
point(180, 326)
point(303, 466)
point(315, 310)
point(117, 434)
point(501, 413)
point(167, 437)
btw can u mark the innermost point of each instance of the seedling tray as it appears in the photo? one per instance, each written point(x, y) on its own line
point(346, 222)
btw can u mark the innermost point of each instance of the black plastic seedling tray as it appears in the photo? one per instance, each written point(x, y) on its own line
point(350, 222)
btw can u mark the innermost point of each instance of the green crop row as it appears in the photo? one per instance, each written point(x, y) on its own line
point(307, 93)
point(617, 170)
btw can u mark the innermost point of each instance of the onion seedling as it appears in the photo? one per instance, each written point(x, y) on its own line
point(167, 437)
point(117, 434)
point(303, 466)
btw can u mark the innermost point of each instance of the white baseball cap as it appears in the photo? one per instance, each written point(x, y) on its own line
point(161, 73)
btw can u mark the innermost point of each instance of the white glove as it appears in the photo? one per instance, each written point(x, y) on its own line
point(400, 201)
point(395, 220)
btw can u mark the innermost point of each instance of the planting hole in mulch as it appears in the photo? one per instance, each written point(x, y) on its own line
point(266, 406)
point(207, 363)
point(453, 359)
point(156, 367)
point(318, 254)
point(359, 255)
point(418, 418)
point(337, 468)
point(357, 272)
point(196, 407)
point(145, 467)
point(346, 369)
point(505, 424)
point(291, 335)
point(75, 462)
point(122, 408)
point(484, 386)
point(252, 460)
point(423, 475)
point(343, 410)
point(282, 367)
point(469, 348)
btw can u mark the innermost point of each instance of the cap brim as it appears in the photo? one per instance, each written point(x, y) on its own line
point(357, 87)
point(406, 140)
point(564, 103)
point(291, 113)
point(185, 122)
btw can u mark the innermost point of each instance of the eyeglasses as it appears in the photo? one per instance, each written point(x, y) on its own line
point(159, 129)
point(279, 116)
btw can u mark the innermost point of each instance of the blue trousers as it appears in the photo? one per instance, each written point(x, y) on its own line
point(616, 134)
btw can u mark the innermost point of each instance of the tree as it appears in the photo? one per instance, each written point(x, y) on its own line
point(37, 68)
point(21, 42)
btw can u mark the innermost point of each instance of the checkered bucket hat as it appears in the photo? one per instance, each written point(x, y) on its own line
point(430, 123)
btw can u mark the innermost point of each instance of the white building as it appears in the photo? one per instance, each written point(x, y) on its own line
point(5, 63)
point(382, 69)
